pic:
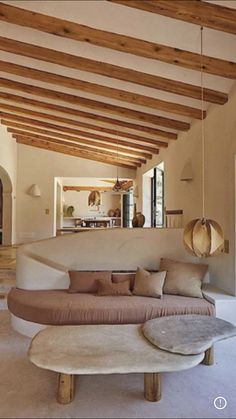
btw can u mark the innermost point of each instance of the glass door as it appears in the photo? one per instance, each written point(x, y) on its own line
point(157, 197)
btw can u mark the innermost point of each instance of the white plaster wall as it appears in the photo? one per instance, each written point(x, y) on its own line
point(8, 161)
point(220, 150)
point(45, 264)
point(41, 167)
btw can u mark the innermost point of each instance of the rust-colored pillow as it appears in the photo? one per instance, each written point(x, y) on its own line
point(86, 281)
point(118, 277)
point(121, 288)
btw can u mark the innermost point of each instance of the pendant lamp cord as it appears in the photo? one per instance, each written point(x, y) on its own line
point(203, 130)
point(117, 159)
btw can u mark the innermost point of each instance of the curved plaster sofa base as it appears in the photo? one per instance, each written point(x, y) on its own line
point(26, 328)
point(44, 265)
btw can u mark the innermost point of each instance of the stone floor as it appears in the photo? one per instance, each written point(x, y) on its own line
point(7, 269)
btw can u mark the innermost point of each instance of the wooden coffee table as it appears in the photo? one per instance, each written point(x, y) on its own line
point(104, 349)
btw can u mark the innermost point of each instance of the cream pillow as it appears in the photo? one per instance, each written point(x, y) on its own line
point(148, 284)
point(183, 278)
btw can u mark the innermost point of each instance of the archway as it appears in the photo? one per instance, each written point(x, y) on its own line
point(6, 207)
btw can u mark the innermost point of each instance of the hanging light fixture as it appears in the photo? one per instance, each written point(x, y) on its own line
point(203, 237)
point(118, 185)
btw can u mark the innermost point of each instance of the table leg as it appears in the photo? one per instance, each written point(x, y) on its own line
point(66, 386)
point(152, 387)
point(209, 356)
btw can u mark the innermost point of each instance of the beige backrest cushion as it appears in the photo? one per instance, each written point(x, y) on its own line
point(120, 288)
point(183, 278)
point(149, 284)
point(86, 281)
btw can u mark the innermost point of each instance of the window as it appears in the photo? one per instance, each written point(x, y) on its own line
point(157, 196)
point(128, 210)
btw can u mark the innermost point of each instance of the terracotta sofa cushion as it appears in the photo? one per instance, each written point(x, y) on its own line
point(86, 281)
point(118, 289)
point(58, 307)
point(123, 276)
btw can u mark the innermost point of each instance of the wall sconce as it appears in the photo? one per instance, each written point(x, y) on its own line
point(187, 172)
point(34, 190)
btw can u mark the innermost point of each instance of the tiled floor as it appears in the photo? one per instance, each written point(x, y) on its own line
point(7, 269)
point(8, 257)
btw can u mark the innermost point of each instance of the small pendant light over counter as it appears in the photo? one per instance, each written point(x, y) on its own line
point(203, 237)
point(118, 185)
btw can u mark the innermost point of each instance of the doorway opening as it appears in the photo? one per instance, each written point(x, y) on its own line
point(157, 196)
point(82, 203)
point(153, 197)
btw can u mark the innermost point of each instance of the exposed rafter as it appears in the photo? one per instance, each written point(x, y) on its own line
point(40, 134)
point(123, 139)
point(148, 80)
point(68, 130)
point(126, 184)
point(105, 153)
point(195, 11)
point(92, 104)
point(100, 90)
point(22, 100)
point(106, 39)
point(87, 188)
point(75, 123)
point(47, 145)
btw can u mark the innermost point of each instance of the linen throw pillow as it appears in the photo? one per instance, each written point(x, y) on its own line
point(120, 288)
point(149, 284)
point(124, 276)
point(183, 278)
point(86, 281)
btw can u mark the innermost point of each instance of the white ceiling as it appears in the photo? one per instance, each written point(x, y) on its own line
point(128, 21)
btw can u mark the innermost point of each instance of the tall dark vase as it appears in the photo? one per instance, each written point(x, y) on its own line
point(138, 219)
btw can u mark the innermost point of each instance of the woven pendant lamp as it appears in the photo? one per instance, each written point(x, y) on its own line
point(203, 237)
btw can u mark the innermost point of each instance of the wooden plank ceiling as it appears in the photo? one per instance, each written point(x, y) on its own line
point(112, 81)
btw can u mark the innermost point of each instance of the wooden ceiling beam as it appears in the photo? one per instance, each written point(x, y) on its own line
point(87, 188)
point(41, 134)
point(101, 38)
point(167, 85)
point(46, 145)
point(125, 186)
point(99, 90)
point(53, 118)
point(22, 100)
point(198, 12)
point(68, 130)
point(79, 147)
point(16, 128)
point(21, 129)
point(96, 105)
